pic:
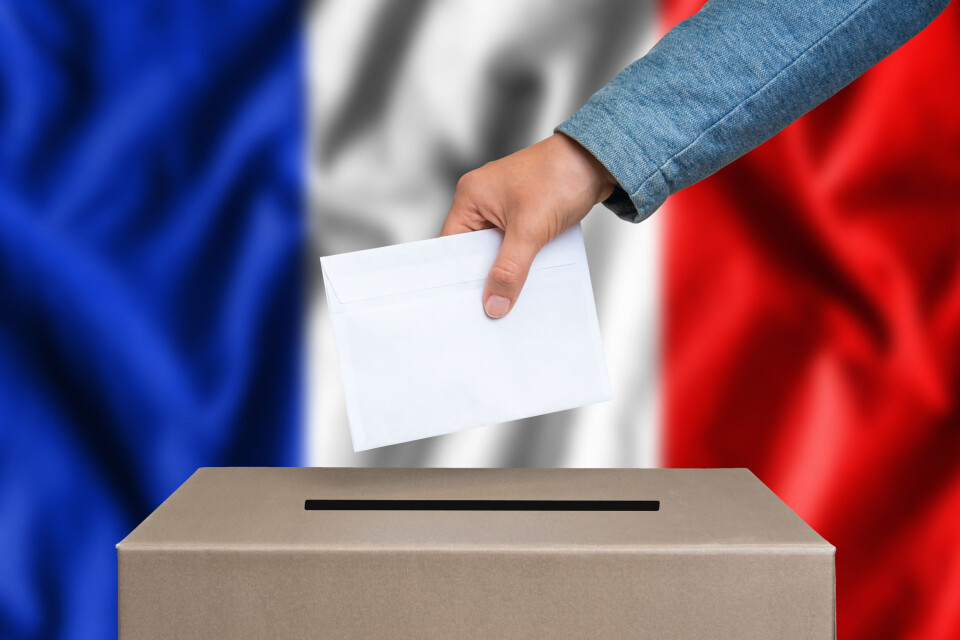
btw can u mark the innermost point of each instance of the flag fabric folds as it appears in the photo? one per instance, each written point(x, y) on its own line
point(812, 326)
point(151, 237)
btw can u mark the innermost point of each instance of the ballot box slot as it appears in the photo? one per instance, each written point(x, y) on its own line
point(482, 505)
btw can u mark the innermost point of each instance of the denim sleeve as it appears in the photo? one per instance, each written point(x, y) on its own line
point(727, 79)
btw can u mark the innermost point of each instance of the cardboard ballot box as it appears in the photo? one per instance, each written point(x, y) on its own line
point(475, 553)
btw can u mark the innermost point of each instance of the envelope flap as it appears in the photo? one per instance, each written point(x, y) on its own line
point(428, 264)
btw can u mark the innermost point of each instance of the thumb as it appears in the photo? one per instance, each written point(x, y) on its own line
point(508, 273)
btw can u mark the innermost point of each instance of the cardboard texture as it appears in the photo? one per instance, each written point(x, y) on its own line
point(233, 553)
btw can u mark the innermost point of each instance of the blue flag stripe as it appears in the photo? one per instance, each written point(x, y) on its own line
point(151, 288)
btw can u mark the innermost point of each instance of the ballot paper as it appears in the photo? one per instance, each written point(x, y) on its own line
point(419, 357)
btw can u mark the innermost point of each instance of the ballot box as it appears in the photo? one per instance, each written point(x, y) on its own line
point(475, 553)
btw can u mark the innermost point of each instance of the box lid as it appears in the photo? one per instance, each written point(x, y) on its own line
point(699, 509)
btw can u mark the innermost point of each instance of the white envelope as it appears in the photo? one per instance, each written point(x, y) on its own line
point(419, 357)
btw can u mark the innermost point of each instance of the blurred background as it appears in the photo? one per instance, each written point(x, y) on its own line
point(171, 171)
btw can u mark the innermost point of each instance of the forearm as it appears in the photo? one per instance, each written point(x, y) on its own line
point(726, 80)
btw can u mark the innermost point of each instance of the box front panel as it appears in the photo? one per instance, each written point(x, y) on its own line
point(560, 593)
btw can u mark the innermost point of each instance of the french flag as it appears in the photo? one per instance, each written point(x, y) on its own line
point(170, 171)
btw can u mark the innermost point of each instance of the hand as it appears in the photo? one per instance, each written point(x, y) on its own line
point(533, 195)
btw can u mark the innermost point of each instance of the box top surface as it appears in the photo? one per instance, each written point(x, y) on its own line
point(700, 509)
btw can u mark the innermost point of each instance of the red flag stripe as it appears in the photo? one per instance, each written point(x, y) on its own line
point(812, 331)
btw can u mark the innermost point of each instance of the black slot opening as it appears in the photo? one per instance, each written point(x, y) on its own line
point(482, 505)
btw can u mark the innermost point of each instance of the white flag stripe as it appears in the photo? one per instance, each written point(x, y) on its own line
point(403, 99)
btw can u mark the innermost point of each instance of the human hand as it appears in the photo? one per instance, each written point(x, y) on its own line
point(533, 196)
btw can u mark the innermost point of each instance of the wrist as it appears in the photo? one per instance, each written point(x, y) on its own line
point(600, 181)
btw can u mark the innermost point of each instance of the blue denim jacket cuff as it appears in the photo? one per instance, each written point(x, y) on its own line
point(594, 129)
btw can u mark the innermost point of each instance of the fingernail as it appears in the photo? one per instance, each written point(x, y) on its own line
point(497, 306)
